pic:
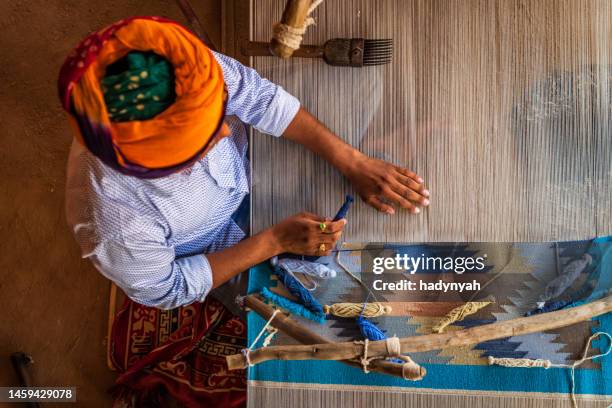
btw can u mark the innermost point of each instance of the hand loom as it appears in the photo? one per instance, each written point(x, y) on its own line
point(503, 107)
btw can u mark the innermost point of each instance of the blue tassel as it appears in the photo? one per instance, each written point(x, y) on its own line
point(299, 291)
point(291, 307)
point(373, 333)
point(369, 330)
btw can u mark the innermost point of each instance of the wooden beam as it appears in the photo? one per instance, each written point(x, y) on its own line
point(352, 350)
point(293, 329)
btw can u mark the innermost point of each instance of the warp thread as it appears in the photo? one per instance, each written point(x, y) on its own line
point(292, 307)
point(410, 370)
point(540, 363)
point(291, 37)
point(357, 309)
point(458, 314)
point(297, 290)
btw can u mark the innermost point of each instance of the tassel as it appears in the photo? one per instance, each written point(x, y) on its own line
point(369, 330)
point(297, 290)
point(291, 307)
point(357, 309)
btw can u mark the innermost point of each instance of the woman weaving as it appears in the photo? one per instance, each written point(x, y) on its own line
point(158, 170)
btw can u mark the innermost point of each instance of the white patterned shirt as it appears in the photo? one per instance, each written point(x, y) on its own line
point(149, 236)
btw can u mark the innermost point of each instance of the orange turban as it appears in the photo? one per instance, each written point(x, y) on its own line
point(172, 139)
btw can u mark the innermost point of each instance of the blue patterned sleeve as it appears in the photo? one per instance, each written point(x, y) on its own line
point(139, 260)
point(255, 100)
point(148, 273)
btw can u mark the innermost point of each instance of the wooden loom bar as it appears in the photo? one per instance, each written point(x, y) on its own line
point(293, 329)
point(352, 350)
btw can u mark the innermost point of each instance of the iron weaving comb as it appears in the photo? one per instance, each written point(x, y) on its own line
point(339, 52)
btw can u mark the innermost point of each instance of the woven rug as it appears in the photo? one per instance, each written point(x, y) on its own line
point(514, 276)
point(179, 352)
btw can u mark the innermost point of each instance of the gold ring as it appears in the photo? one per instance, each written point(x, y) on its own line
point(322, 248)
point(322, 226)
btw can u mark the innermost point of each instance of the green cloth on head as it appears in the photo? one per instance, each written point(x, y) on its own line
point(138, 87)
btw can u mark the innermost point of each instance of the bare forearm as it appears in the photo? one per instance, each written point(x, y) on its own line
point(300, 234)
point(306, 130)
point(229, 262)
point(378, 183)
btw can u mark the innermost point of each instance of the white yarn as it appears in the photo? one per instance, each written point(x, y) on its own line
point(292, 36)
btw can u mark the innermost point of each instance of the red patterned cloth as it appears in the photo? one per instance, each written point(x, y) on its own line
point(180, 352)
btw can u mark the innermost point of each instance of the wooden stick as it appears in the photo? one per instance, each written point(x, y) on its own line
point(305, 336)
point(195, 23)
point(112, 309)
point(352, 350)
point(294, 15)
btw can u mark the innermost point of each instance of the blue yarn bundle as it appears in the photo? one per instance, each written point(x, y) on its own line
point(369, 329)
point(339, 215)
point(345, 207)
point(371, 332)
point(292, 307)
point(299, 291)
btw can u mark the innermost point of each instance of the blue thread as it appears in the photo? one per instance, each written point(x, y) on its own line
point(292, 307)
point(297, 290)
point(369, 330)
point(345, 208)
point(339, 215)
point(548, 307)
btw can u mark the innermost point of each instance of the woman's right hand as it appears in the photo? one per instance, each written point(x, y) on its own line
point(303, 234)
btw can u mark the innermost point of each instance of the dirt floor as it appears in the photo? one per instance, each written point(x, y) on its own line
point(53, 303)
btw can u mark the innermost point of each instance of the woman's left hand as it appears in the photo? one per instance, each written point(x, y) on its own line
point(380, 184)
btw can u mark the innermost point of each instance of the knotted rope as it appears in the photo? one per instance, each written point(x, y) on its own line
point(357, 309)
point(292, 36)
point(546, 364)
point(458, 314)
point(247, 352)
point(410, 370)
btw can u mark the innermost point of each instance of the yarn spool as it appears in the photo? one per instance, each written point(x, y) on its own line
point(299, 291)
